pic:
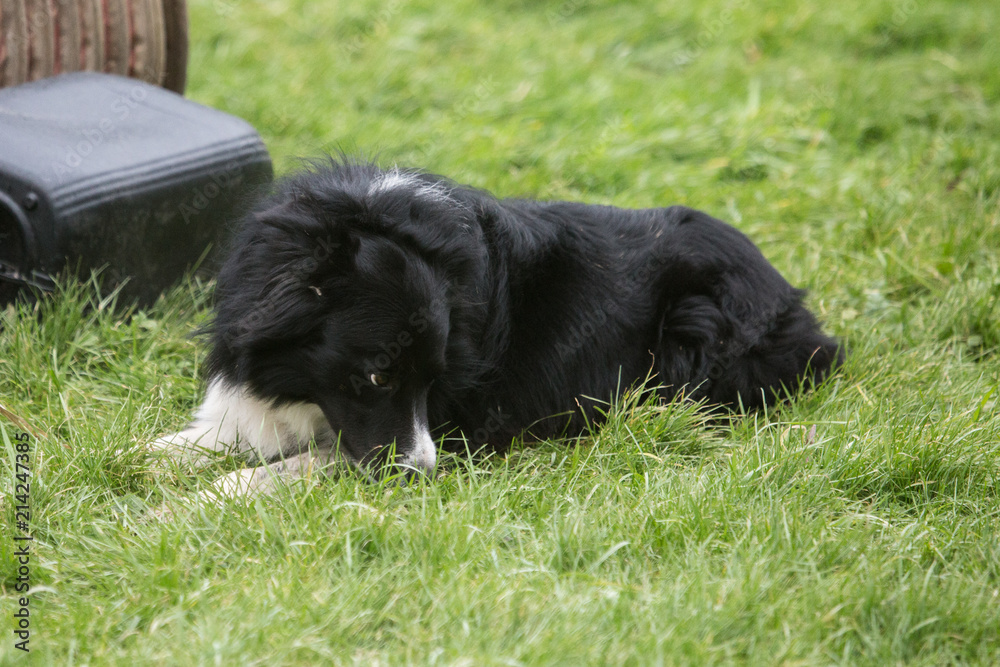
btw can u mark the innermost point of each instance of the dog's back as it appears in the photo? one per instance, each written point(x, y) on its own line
point(600, 299)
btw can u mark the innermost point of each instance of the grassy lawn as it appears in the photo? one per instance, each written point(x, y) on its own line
point(857, 143)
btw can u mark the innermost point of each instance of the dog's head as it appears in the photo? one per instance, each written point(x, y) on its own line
point(355, 289)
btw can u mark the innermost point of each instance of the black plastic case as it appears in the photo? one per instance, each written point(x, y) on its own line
point(100, 171)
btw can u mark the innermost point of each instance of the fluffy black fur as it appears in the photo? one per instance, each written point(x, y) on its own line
point(379, 295)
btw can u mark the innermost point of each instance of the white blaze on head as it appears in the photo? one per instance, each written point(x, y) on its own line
point(395, 179)
point(392, 180)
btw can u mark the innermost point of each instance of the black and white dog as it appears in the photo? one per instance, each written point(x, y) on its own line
point(372, 312)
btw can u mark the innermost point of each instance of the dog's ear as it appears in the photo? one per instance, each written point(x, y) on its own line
point(294, 243)
point(272, 284)
point(299, 227)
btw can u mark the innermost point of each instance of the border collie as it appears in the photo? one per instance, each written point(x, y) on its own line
point(365, 314)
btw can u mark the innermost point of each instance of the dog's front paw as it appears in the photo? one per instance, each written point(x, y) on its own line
point(248, 483)
point(194, 447)
point(243, 483)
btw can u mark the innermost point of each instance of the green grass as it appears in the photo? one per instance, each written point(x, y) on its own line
point(858, 143)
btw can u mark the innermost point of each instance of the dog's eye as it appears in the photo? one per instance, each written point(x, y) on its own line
point(379, 379)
